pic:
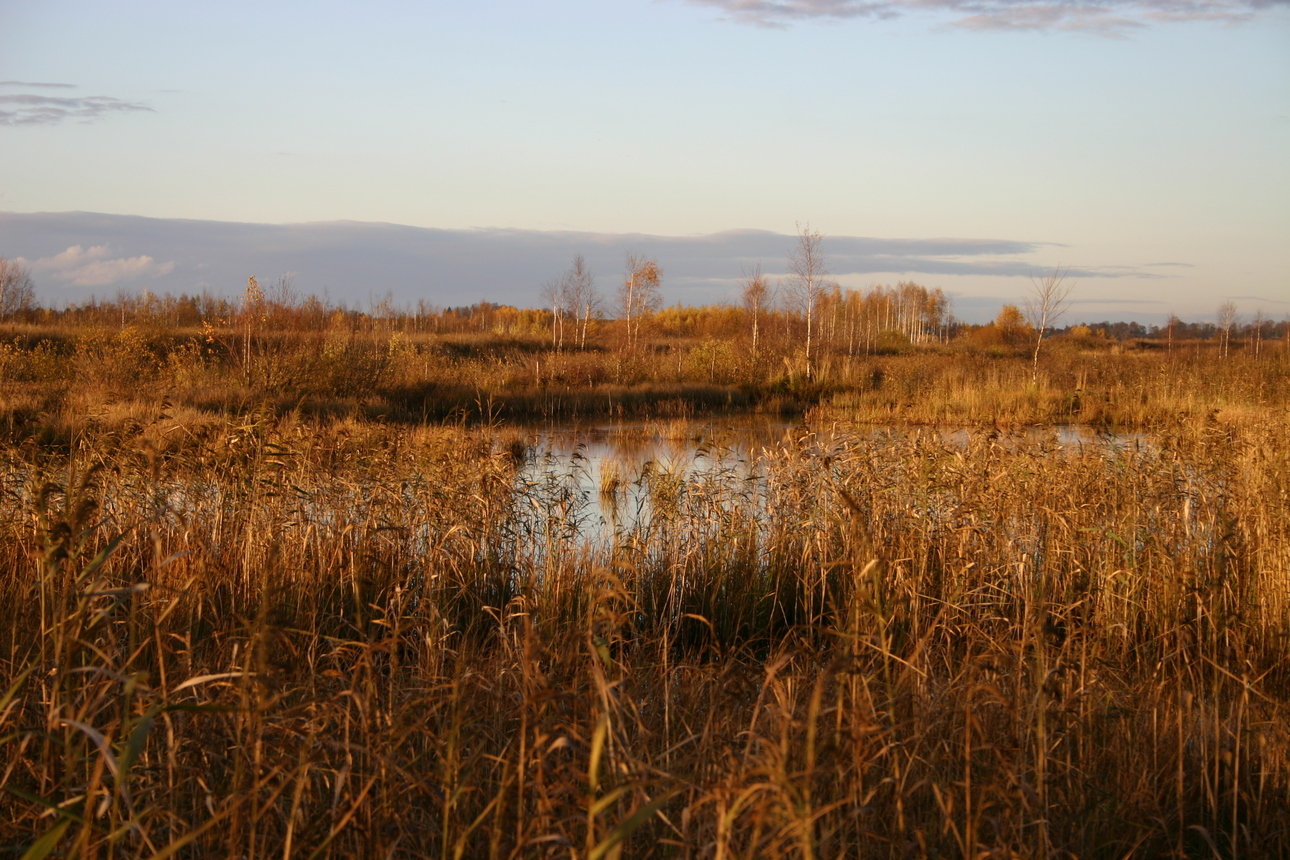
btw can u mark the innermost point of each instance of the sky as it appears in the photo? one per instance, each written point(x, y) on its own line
point(963, 144)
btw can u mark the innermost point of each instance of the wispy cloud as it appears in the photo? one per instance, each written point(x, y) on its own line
point(33, 109)
point(1108, 17)
point(1117, 301)
point(38, 85)
point(1267, 299)
point(95, 266)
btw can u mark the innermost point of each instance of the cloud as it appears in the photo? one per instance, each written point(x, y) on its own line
point(1117, 301)
point(31, 109)
point(780, 13)
point(92, 267)
point(38, 85)
point(351, 261)
point(1107, 17)
point(1258, 299)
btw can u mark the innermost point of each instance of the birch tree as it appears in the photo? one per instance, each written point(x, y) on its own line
point(16, 290)
point(807, 274)
point(1226, 322)
point(252, 316)
point(756, 295)
point(640, 294)
point(1048, 300)
point(554, 296)
point(583, 299)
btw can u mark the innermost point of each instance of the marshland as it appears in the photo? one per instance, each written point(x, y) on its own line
point(303, 582)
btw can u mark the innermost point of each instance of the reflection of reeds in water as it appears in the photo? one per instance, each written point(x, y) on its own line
point(612, 485)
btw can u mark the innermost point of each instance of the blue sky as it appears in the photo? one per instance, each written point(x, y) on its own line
point(1144, 144)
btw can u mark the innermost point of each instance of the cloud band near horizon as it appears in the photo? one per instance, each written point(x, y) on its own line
point(75, 254)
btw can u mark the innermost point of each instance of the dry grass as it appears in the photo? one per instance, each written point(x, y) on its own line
point(53, 379)
point(1104, 389)
point(272, 636)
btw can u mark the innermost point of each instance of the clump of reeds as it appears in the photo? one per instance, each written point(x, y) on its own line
point(611, 480)
point(299, 638)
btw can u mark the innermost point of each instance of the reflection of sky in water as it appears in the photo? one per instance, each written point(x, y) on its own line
point(671, 446)
point(599, 477)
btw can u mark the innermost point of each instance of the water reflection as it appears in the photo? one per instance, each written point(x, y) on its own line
point(599, 482)
point(606, 480)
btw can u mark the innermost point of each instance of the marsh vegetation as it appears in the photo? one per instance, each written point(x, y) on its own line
point(258, 598)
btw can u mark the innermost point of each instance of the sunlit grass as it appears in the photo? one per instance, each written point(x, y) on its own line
point(55, 379)
point(290, 637)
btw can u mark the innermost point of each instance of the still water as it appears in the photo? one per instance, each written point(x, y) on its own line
point(599, 481)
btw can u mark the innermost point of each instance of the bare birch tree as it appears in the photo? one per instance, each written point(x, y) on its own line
point(639, 294)
point(583, 299)
point(554, 296)
point(807, 280)
point(1226, 323)
point(252, 316)
point(756, 296)
point(1048, 300)
point(16, 289)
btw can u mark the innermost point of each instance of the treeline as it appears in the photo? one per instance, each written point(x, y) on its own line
point(1175, 329)
point(806, 307)
point(279, 308)
point(879, 356)
point(864, 321)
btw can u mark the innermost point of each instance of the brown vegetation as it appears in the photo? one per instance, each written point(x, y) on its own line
point(880, 355)
point(254, 603)
point(270, 637)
